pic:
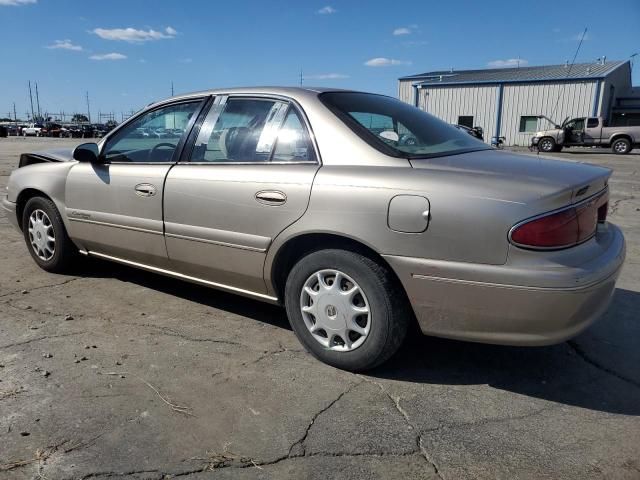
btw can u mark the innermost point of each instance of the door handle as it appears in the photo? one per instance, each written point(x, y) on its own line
point(271, 197)
point(145, 190)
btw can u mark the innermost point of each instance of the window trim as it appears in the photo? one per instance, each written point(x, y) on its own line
point(201, 101)
point(185, 158)
point(529, 132)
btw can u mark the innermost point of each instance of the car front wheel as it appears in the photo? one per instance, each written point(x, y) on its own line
point(546, 145)
point(46, 237)
point(346, 309)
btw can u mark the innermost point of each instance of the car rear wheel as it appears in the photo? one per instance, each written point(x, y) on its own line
point(46, 237)
point(621, 146)
point(546, 145)
point(346, 309)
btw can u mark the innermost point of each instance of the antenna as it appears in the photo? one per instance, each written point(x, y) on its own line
point(172, 88)
point(301, 77)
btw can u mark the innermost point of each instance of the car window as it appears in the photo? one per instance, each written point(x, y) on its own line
point(293, 143)
point(575, 124)
point(245, 131)
point(592, 123)
point(152, 137)
point(396, 128)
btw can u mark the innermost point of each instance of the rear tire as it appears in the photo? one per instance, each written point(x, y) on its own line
point(45, 236)
point(621, 146)
point(546, 145)
point(371, 338)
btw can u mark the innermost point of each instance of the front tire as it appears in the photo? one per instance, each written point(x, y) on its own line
point(346, 309)
point(45, 236)
point(546, 145)
point(621, 146)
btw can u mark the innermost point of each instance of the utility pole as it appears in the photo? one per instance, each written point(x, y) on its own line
point(38, 102)
point(15, 116)
point(301, 77)
point(31, 100)
point(88, 109)
point(172, 88)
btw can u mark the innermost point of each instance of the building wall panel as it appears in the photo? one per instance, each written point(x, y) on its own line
point(448, 103)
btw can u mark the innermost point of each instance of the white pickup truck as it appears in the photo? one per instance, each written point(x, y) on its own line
point(587, 132)
point(33, 129)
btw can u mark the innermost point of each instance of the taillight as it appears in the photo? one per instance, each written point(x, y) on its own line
point(564, 228)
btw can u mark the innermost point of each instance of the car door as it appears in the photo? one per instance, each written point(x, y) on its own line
point(247, 178)
point(592, 131)
point(115, 207)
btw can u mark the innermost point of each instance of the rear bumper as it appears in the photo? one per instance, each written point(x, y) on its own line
point(535, 304)
point(10, 211)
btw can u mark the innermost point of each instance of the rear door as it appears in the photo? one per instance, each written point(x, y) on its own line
point(248, 177)
point(115, 208)
point(592, 131)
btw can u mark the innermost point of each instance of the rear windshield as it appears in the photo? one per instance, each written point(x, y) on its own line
point(397, 128)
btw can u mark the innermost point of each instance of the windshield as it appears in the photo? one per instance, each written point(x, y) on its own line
point(397, 128)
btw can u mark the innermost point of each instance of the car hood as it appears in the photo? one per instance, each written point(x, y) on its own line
point(43, 156)
point(522, 178)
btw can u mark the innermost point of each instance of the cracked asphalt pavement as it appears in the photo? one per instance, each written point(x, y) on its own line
point(114, 372)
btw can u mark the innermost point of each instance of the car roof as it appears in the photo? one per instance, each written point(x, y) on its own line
point(296, 93)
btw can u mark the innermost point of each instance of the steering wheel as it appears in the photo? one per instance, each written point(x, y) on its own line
point(152, 152)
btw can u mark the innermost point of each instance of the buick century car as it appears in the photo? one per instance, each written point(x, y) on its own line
point(359, 213)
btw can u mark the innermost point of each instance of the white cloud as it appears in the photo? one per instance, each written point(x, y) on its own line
point(16, 3)
point(328, 10)
point(108, 56)
point(402, 31)
point(326, 76)
point(385, 62)
point(64, 45)
point(133, 35)
point(510, 62)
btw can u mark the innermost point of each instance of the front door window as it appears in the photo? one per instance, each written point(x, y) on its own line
point(151, 138)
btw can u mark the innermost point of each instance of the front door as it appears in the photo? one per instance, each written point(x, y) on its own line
point(249, 176)
point(115, 207)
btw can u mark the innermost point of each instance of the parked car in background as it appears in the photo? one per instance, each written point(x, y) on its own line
point(296, 197)
point(587, 132)
point(32, 130)
point(52, 129)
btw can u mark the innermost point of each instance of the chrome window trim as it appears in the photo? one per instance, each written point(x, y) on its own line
point(593, 197)
point(301, 162)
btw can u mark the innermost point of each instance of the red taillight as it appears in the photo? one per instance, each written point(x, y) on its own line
point(555, 230)
point(562, 229)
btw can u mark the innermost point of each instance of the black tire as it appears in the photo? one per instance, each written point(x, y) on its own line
point(390, 313)
point(546, 145)
point(621, 146)
point(64, 252)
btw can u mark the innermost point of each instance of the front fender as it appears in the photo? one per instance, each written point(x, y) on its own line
point(48, 178)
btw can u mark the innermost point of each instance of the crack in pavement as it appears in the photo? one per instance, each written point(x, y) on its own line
point(419, 441)
point(302, 439)
point(29, 290)
point(38, 339)
point(174, 333)
point(583, 355)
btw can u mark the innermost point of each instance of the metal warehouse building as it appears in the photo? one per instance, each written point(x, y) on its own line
point(507, 101)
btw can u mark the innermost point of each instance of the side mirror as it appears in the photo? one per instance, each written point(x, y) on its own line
point(86, 152)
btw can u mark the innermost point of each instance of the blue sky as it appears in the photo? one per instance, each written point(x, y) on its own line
point(126, 53)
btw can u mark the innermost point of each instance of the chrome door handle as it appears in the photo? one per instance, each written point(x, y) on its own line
point(271, 197)
point(145, 190)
